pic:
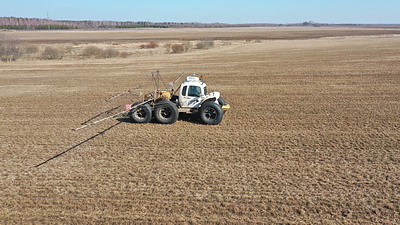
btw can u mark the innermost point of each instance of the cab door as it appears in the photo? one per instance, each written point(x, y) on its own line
point(190, 96)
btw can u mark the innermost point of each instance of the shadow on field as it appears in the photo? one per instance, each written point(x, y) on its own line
point(190, 118)
point(77, 145)
point(182, 117)
point(124, 120)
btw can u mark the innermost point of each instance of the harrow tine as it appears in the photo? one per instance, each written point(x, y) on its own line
point(98, 121)
point(112, 116)
point(94, 117)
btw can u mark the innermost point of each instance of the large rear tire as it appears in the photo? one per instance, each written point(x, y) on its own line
point(166, 112)
point(141, 114)
point(211, 113)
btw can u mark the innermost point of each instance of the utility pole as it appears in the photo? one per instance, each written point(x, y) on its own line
point(48, 21)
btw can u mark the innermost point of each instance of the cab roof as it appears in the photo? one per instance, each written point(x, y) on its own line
point(194, 81)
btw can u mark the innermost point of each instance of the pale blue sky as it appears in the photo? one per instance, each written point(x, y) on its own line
point(208, 11)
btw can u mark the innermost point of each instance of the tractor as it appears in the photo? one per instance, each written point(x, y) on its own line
point(191, 97)
point(165, 106)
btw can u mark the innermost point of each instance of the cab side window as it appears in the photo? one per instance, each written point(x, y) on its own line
point(194, 91)
point(184, 90)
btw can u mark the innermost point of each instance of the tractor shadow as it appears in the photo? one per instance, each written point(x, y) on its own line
point(77, 145)
point(190, 118)
point(124, 120)
point(182, 117)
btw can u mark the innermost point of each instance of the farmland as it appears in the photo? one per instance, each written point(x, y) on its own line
point(312, 135)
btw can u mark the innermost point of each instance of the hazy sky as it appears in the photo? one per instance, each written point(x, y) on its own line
point(207, 11)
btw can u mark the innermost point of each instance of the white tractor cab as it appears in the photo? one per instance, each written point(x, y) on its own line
point(193, 92)
point(193, 98)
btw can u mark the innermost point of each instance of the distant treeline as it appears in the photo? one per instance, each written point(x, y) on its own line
point(37, 27)
point(17, 23)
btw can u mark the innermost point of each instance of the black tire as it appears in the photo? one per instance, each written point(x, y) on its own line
point(141, 114)
point(166, 112)
point(211, 113)
point(222, 101)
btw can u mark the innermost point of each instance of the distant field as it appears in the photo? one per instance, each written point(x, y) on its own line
point(312, 136)
point(262, 33)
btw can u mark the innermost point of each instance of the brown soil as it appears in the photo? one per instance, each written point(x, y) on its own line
point(259, 33)
point(312, 137)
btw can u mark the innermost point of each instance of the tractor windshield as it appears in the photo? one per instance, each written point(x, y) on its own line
point(194, 91)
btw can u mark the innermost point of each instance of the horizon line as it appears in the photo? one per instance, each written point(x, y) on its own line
point(310, 22)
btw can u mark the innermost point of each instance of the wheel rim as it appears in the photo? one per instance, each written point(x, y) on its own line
point(210, 114)
point(141, 113)
point(165, 112)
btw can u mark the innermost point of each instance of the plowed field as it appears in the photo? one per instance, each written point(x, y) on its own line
point(312, 137)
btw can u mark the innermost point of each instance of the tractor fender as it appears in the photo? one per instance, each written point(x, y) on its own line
point(212, 99)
